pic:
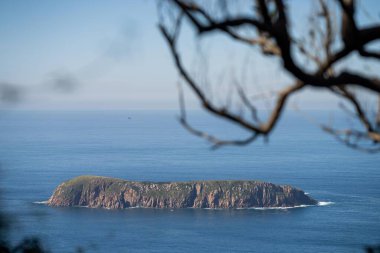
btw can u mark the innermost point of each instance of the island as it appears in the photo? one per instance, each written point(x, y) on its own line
point(112, 193)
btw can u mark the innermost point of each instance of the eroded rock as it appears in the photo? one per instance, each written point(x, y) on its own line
point(112, 193)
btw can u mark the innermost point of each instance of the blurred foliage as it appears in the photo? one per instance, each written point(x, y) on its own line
point(28, 245)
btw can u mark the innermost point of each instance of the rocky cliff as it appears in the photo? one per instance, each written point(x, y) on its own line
point(103, 192)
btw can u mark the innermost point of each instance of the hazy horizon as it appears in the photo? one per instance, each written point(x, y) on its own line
point(65, 56)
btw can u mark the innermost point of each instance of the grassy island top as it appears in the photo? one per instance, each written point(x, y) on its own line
point(85, 179)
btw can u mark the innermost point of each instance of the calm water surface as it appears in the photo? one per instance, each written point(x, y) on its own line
point(39, 150)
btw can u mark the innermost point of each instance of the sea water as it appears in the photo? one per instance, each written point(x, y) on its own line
point(39, 150)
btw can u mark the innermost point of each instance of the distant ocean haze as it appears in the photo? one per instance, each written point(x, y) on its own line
point(42, 149)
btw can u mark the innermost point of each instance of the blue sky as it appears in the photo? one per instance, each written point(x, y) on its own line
point(109, 53)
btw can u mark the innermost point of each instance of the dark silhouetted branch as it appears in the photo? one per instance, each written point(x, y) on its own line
point(272, 34)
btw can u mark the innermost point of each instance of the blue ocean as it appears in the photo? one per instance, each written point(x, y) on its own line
point(40, 149)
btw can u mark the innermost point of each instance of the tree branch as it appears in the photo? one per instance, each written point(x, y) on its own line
point(274, 37)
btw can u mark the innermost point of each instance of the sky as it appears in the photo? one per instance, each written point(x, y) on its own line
point(111, 55)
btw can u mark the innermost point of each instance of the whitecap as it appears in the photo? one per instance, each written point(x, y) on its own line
point(41, 202)
point(278, 208)
point(325, 203)
point(85, 207)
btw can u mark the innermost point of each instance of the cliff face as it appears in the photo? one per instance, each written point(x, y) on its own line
point(102, 192)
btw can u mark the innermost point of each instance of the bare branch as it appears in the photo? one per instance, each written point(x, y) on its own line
point(273, 35)
point(359, 111)
point(366, 53)
point(216, 142)
point(281, 100)
point(205, 103)
point(329, 33)
point(307, 53)
point(248, 104)
point(222, 112)
point(190, 8)
point(371, 133)
point(267, 46)
point(352, 138)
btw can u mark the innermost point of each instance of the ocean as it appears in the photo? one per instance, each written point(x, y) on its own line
point(40, 149)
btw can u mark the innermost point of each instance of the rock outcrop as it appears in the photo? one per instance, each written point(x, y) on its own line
point(103, 192)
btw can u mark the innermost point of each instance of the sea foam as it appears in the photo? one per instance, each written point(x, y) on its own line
point(279, 207)
point(325, 203)
point(40, 202)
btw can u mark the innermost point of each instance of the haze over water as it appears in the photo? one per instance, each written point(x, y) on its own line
point(41, 149)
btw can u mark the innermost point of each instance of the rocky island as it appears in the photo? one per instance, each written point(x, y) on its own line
point(112, 193)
